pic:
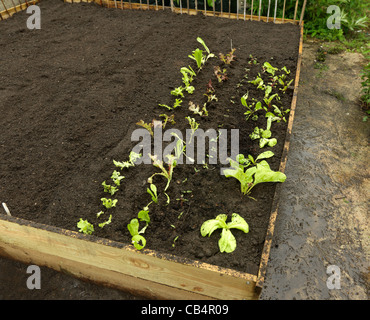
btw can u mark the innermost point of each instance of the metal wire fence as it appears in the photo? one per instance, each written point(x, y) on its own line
point(277, 11)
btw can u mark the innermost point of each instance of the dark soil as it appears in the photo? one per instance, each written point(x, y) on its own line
point(72, 92)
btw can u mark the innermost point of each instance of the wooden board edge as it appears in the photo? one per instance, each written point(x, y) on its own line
point(20, 238)
point(275, 204)
point(100, 276)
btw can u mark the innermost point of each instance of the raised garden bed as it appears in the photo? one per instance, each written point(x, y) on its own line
point(73, 93)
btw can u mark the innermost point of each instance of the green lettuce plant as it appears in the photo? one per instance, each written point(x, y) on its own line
point(85, 226)
point(249, 177)
point(227, 242)
point(264, 136)
point(178, 91)
point(133, 157)
point(198, 55)
point(137, 239)
point(267, 67)
point(109, 203)
point(110, 189)
point(252, 108)
point(116, 177)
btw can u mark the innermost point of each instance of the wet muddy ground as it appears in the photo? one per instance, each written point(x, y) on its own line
point(323, 217)
point(324, 204)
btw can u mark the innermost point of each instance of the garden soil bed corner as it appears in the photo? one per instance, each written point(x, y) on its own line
point(72, 94)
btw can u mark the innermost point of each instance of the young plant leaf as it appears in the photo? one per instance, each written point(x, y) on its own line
point(109, 203)
point(265, 174)
point(136, 240)
point(227, 242)
point(143, 215)
point(110, 189)
point(265, 155)
point(133, 227)
point(209, 226)
point(153, 192)
point(102, 225)
point(201, 41)
point(197, 55)
point(85, 227)
point(237, 222)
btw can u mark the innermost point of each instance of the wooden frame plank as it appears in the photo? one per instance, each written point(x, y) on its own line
point(110, 262)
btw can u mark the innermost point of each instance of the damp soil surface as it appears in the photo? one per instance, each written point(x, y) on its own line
point(72, 93)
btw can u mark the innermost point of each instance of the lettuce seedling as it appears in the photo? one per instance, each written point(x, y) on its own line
point(252, 109)
point(167, 118)
point(153, 192)
point(252, 60)
point(85, 227)
point(286, 86)
point(177, 103)
point(165, 173)
point(143, 215)
point(193, 125)
point(229, 57)
point(278, 114)
point(178, 92)
point(250, 177)
point(268, 90)
point(188, 75)
point(247, 162)
point(116, 177)
point(264, 135)
point(269, 68)
point(165, 106)
point(211, 97)
point(285, 70)
point(198, 55)
point(221, 75)
point(147, 126)
point(210, 55)
point(270, 98)
point(109, 203)
point(108, 188)
point(209, 87)
point(131, 162)
point(103, 224)
point(196, 109)
point(133, 228)
point(257, 82)
point(227, 242)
